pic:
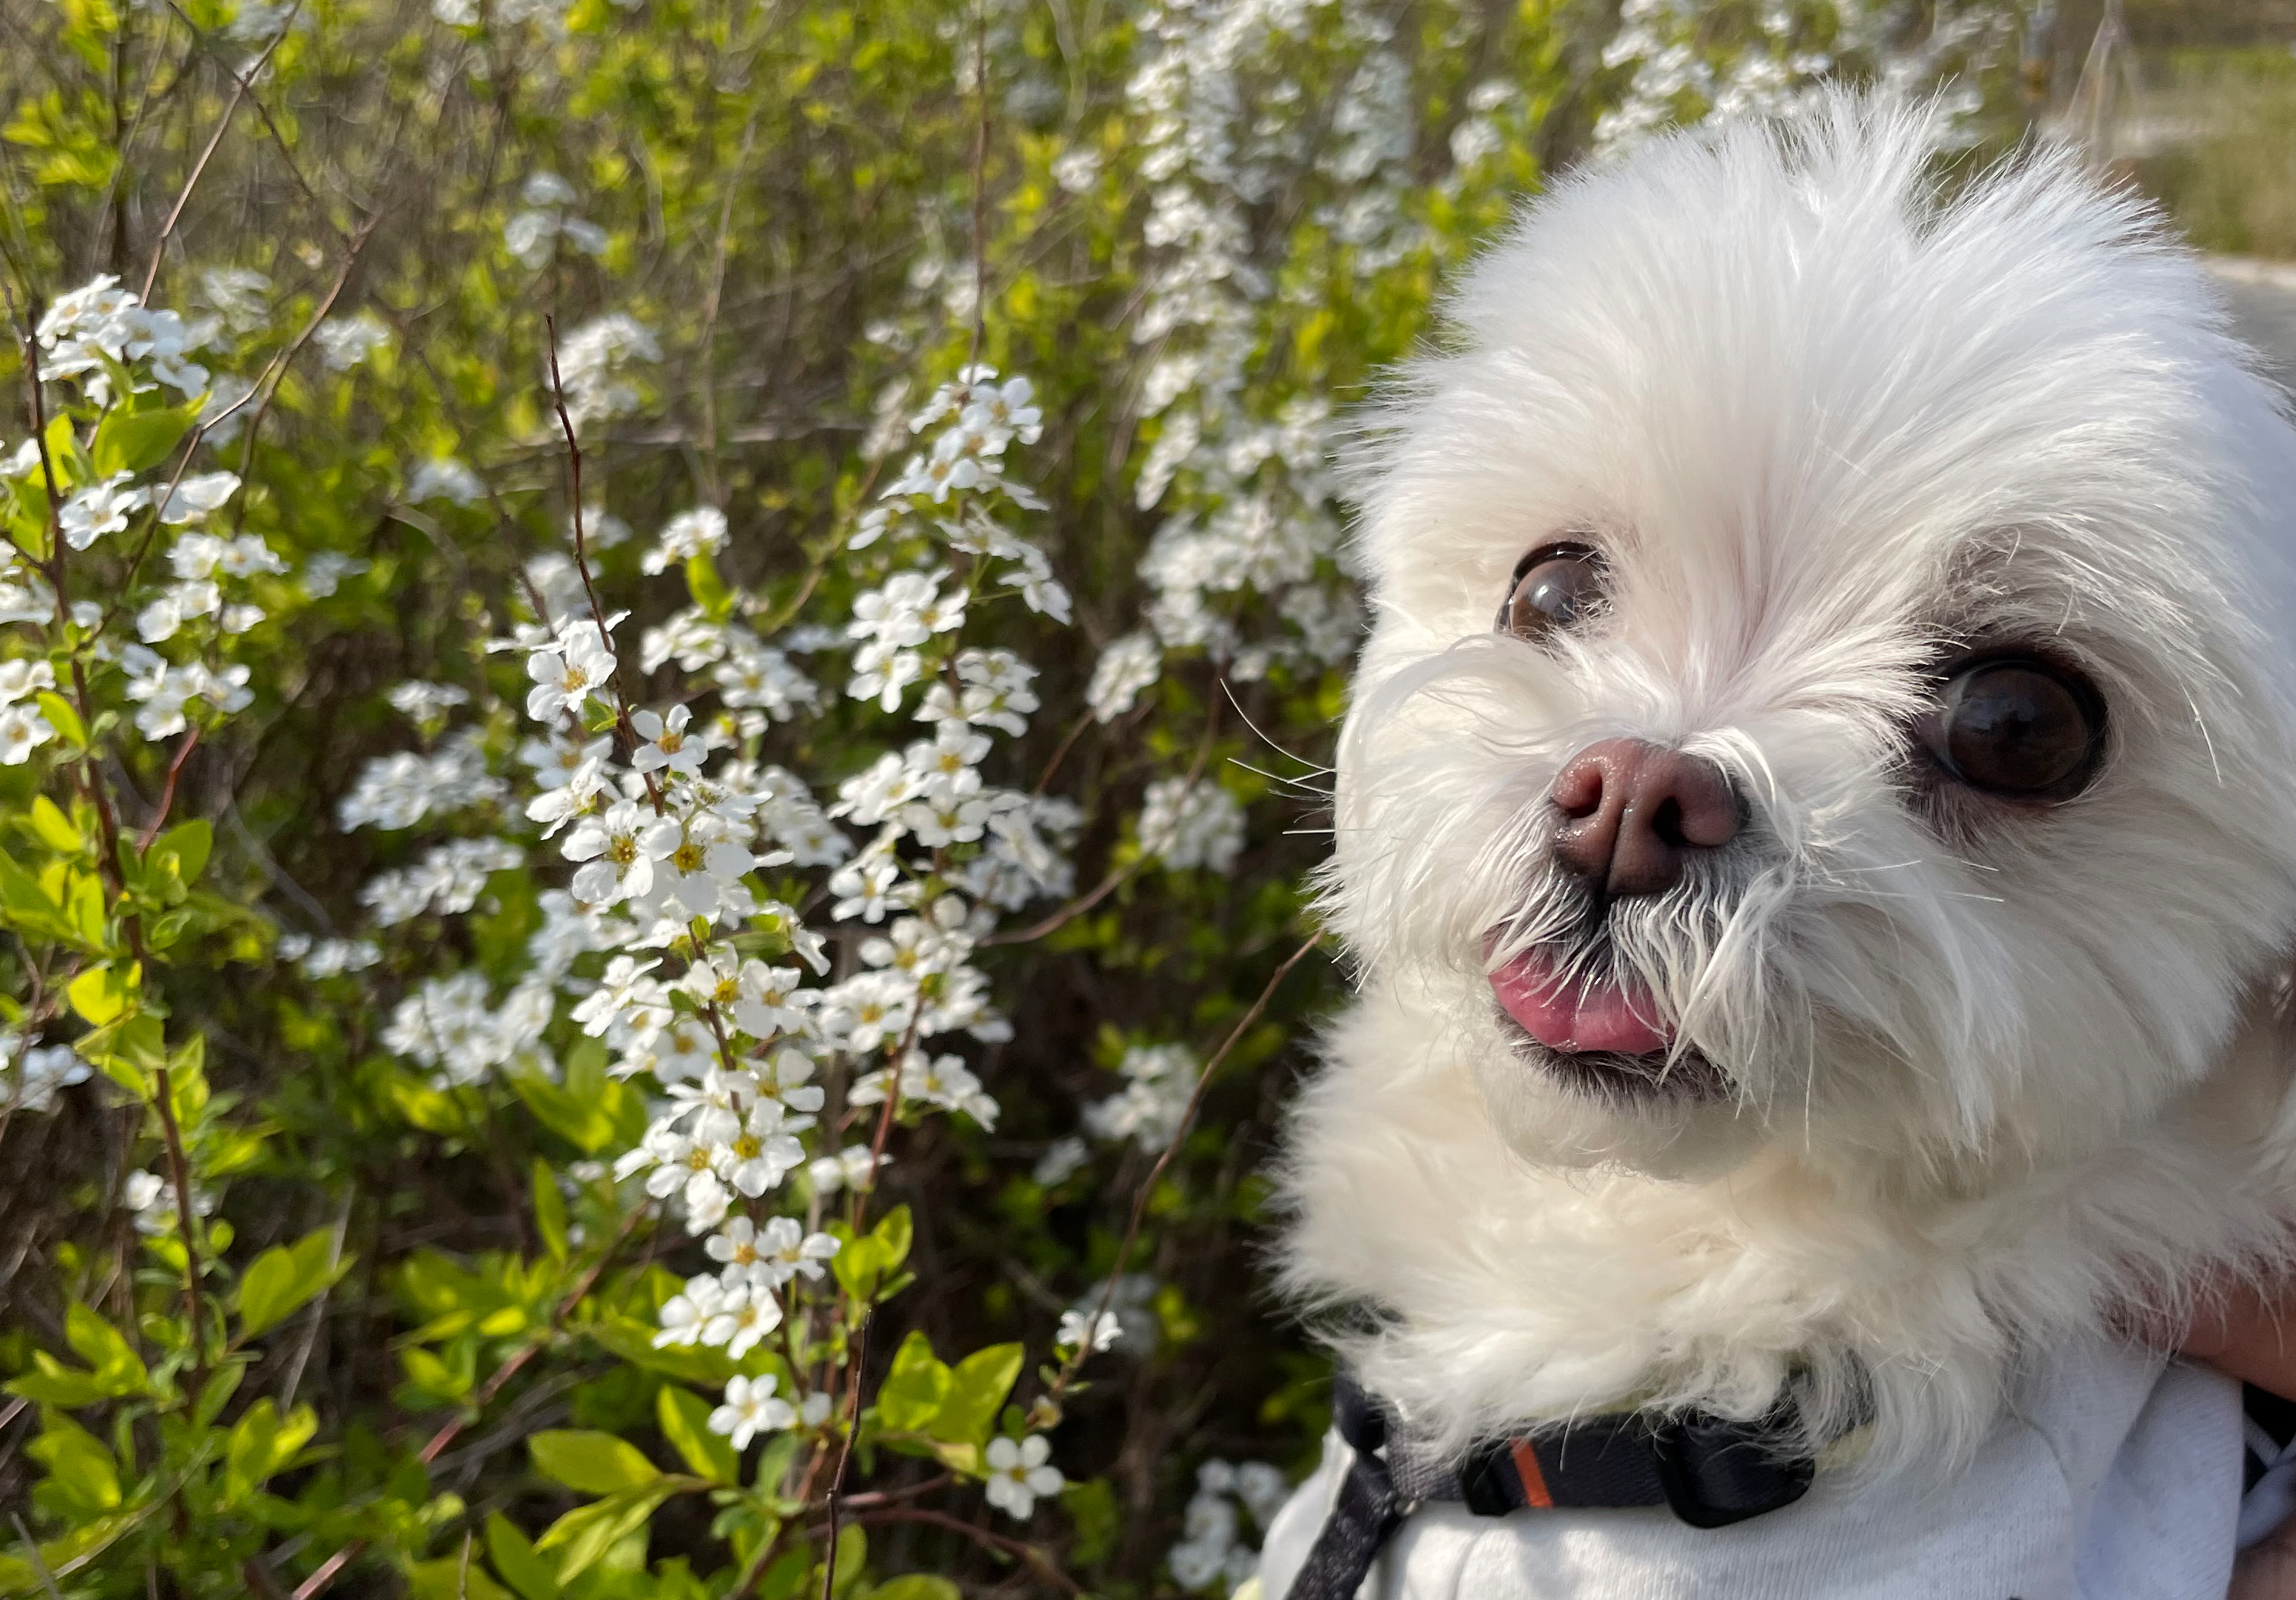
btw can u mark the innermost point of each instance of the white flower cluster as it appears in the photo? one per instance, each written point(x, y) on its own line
point(399, 791)
point(447, 478)
point(446, 881)
point(164, 694)
point(327, 957)
point(152, 1200)
point(1211, 1554)
point(1683, 70)
point(1227, 126)
point(596, 363)
point(1158, 1081)
point(100, 331)
point(1186, 825)
point(202, 563)
point(533, 232)
point(450, 1026)
point(347, 341)
point(103, 338)
point(31, 1074)
point(668, 835)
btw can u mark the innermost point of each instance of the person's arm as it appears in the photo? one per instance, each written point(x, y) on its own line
point(2249, 1335)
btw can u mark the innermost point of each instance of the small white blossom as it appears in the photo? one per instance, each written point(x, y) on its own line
point(99, 509)
point(567, 675)
point(750, 1408)
point(1101, 1328)
point(1020, 1474)
point(23, 731)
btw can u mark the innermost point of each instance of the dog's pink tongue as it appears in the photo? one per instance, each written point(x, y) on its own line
point(1569, 1015)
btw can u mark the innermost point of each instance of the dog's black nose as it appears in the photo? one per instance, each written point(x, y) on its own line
point(1633, 814)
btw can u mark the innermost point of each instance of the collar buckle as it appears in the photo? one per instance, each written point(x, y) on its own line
point(1716, 1473)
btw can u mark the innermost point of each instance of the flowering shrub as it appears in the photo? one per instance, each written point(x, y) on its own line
point(659, 713)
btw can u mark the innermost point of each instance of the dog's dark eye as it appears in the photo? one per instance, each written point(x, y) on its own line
point(2020, 727)
point(1553, 586)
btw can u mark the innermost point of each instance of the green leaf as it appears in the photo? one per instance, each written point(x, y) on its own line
point(451, 1578)
point(892, 1236)
point(585, 1122)
point(188, 844)
point(101, 995)
point(220, 1388)
point(263, 1442)
point(588, 1531)
point(105, 1350)
point(29, 904)
point(53, 1383)
point(916, 1586)
point(684, 1418)
point(708, 590)
point(596, 1463)
point(84, 908)
point(126, 443)
point(62, 718)
point(515, 1559)
point(128, 1051)
point(549, 1210)
point(54, 829)
point(861, 1263)
point(282, 1278)
point(913, 1387)
point(976, 1388)
point(81, 1471)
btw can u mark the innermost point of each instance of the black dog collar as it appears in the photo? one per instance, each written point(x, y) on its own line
point(1710, 1472)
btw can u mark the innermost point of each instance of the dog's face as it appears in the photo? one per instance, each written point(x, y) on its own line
point(1831, 679)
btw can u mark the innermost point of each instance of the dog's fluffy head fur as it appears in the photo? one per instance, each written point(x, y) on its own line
point(1969, 1072)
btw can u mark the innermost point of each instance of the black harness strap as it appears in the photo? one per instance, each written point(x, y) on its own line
point(1710, 1471)
point(1368, 1510)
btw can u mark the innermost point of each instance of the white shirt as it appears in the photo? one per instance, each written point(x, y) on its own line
point(2113, 1475)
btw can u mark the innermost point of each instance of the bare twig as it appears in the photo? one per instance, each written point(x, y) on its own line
point(1027, 1552)
point(32, 1554)
point(167, 793)
point(241, 85)
point(1148, 1187)
point(845, 1454)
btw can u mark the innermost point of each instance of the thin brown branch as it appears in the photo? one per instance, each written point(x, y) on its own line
point(582, 558)
point(1155, 1174)
point(167, 793)
point(999, 1542)
point(836, 1495)
point(241, 87)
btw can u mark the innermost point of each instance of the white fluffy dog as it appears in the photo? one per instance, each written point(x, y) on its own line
point(1816, 833)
